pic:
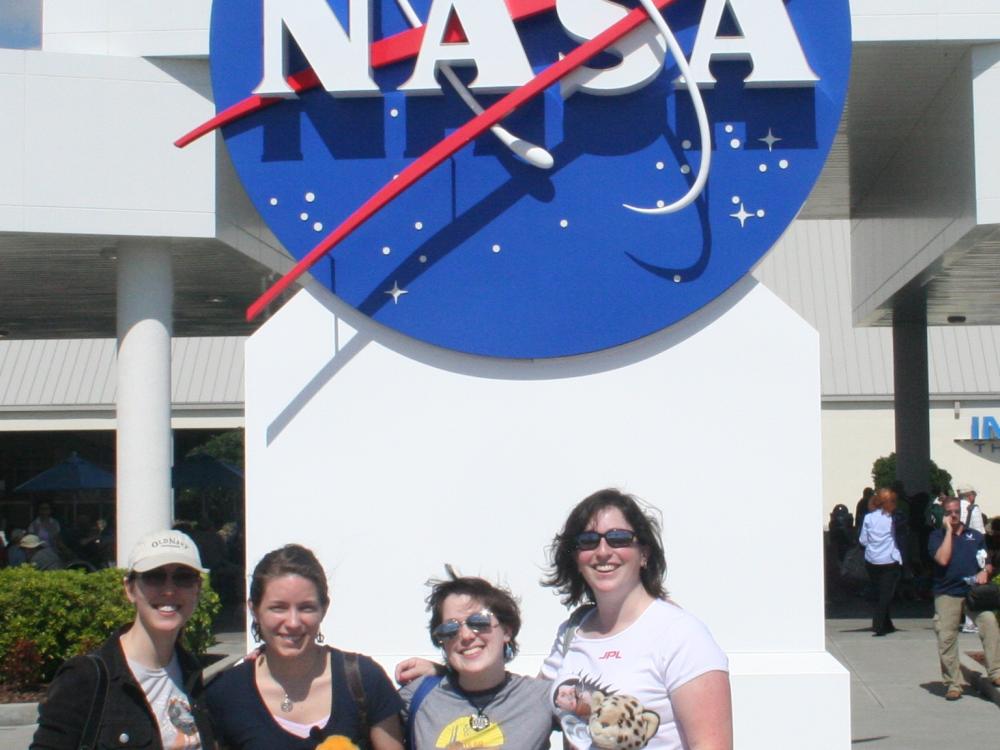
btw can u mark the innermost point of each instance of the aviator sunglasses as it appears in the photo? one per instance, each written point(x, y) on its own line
point(183, 578)
point(617, 538)
point(477, 622)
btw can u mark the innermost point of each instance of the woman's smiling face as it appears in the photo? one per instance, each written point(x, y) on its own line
point(289, 615)
point(609, 569)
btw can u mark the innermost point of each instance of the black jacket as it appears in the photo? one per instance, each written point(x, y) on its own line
point(127, 721)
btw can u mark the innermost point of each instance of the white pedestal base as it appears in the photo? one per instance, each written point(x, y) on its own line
point(389, 458)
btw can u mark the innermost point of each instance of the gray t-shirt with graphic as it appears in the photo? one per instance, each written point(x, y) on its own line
point(519, 716)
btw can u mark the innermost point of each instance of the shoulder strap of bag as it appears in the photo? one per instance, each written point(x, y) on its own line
point(968, 515)
point(88, 739)
point(429, 683)
point(352, 671)
point(574, 623)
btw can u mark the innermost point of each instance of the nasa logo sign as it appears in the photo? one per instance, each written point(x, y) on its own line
point(527, 178)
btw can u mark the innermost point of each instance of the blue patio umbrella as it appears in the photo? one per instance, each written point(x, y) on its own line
point(203, 471)
point(71, 475)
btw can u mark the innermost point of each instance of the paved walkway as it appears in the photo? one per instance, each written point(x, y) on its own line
point(897, 702)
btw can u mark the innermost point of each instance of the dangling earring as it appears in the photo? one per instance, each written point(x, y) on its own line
point(508, 652)
point(255, 632)
point(320, 638)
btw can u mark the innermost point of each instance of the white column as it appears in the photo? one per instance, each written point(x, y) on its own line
point(145, 314)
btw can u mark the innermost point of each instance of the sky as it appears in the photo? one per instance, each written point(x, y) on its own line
point(20, 23)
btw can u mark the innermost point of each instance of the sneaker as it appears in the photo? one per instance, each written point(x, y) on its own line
point(970, 629)
point(953, 694)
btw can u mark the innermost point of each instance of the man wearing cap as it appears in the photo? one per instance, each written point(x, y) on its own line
point(960, 555)
point(39, 554)
point(974, 519)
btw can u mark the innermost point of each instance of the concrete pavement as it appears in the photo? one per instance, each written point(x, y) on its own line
point(897, 701)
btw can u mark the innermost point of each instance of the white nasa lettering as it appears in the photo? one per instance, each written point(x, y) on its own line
point(343, 65)
point(642, 51)
point(341, 62)
point(493, 46)
point(768, 40)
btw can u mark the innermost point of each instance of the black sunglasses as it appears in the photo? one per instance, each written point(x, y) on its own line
point(617, 538)
point(478, 622)
point(183, 578)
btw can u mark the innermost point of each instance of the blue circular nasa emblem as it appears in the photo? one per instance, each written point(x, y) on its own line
point(593, 213)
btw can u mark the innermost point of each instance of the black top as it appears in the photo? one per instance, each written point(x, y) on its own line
point(127, 720)
point(242, 721)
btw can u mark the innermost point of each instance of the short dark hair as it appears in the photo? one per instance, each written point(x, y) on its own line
point(497, 600)
point(564, 575)
point(290, 560)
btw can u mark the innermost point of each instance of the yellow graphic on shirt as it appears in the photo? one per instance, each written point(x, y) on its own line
point(459, 735)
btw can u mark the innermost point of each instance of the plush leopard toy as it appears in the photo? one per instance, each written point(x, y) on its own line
point(619, 722)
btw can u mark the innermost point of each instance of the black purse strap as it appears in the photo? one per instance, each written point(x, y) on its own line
point(88, 739)
point(968, 515)
point(352, 671)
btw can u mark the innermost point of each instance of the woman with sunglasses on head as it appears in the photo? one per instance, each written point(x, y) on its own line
point(477, 703)
point(634, 651)
point(139, 688)
point(294, 693)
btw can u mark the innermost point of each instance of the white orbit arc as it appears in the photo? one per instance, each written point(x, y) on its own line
point(699, 107)
point(528, 152)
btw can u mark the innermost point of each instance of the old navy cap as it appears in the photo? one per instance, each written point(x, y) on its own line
point(164, 548)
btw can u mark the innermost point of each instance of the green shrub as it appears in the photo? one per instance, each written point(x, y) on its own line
point(58, 614)
point(884, 474)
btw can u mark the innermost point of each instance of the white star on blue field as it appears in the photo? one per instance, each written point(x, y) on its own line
point(20, 24)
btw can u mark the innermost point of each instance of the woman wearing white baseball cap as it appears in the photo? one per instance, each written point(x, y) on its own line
point(140, 688)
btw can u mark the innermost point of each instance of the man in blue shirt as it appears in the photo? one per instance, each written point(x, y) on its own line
point(959, 554)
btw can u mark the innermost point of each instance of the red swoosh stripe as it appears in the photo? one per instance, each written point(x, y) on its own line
point(389, 51)
point(448, 146)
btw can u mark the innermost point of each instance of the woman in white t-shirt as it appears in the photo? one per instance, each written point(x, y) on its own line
point(635, 655)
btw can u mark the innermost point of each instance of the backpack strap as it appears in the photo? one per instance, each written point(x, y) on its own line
point(352, 671)
point(88, 739)
point(429, 683)
point(574, 623)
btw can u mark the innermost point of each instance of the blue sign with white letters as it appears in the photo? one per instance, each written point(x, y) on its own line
point(590, 217)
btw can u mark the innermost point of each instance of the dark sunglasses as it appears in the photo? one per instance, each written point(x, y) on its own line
point(478, 622)
point(184, 578)
point(617, 538)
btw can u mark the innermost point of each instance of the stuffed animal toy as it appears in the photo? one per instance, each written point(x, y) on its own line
point(337, 742)
point(619, 722)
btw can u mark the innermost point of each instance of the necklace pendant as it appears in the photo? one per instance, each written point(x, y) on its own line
point(479, 722)
point(286, 704)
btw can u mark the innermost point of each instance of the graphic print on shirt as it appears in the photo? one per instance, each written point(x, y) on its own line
point(595, 716)
point(460, 734)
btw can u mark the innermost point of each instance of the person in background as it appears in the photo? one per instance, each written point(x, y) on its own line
point(294, 691)
point(863, 508)
point(40, 554)
point(884, 535)
point(16, 555)
point(959, 555)
point(153, 685)
point(45, 527)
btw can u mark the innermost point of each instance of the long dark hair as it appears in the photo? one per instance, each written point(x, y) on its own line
point(564, 574)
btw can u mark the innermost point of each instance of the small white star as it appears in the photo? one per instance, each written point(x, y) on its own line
point(742, 215)
point(770, 139)
point(395, 292)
